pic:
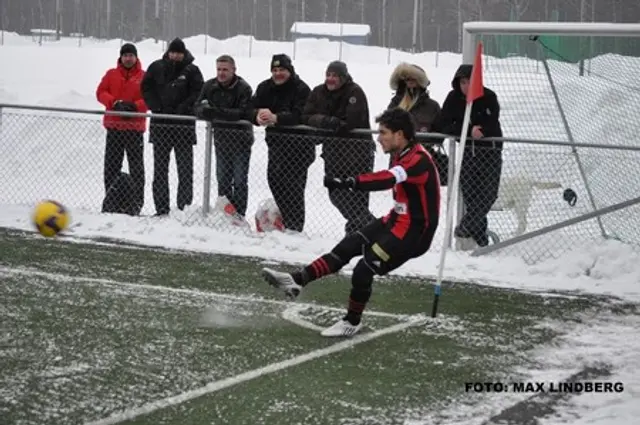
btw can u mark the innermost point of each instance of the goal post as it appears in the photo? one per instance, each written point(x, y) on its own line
point(572, 83)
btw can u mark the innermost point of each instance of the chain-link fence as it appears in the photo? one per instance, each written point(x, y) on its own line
point(581, 101)
point(223, 176)
point(219, 179)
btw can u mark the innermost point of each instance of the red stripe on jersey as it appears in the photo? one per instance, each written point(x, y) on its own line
point(375, 177)
point(324, 265)
point(403, 221)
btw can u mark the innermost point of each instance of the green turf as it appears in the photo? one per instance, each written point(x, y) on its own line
point(94, 329)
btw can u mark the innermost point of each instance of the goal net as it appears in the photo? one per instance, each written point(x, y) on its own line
point(576, 89)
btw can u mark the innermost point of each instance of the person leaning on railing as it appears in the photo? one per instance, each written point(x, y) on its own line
point(482, 160)
point(119, 90)
point(278, 103)
point(227, 98)
point(340, 105)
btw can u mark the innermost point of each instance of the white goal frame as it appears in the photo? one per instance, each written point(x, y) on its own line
point(471, 32)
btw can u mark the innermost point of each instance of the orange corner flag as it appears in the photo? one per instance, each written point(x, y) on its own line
point(476, 86)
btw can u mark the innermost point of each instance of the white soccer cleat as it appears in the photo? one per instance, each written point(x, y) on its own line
point(283, 282)
point(342, 328)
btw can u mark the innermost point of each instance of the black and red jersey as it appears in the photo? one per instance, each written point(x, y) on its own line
point(416, 191)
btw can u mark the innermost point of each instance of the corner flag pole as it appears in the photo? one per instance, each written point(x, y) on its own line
point(476, 90)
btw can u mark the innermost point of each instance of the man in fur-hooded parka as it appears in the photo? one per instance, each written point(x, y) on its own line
point(410, 83)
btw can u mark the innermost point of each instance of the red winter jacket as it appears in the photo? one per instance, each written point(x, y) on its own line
point(123, 84)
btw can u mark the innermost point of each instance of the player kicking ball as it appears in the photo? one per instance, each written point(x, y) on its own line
point(385, 244)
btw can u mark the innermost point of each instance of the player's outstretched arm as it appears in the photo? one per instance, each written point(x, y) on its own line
point(369, 182)
point(415, 171)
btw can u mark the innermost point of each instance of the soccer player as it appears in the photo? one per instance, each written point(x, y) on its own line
point(387, 243)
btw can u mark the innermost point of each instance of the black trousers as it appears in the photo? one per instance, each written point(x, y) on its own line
point(353, 205)
point(183, 150)
point(479, 183)
point(381, 249)
point(287, 171)
point(119, 143)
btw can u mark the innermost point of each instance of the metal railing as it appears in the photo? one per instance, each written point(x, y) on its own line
point(66, 154)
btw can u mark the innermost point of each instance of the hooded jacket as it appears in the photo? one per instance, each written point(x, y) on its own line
point(172, 87)
point(424, 110)
point(485, 112)
point(123, 84)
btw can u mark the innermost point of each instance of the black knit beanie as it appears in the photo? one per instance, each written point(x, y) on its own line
point(340, 68)
point(177, 45)
point(128, 48)
point(283, 61)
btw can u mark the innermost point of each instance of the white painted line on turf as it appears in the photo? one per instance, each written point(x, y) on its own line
point(255, 373)
point(187, 291)
point(292, 314)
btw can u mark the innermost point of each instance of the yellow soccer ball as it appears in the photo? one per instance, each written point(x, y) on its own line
point(50, 218)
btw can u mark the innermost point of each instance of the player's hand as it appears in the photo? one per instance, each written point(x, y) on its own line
point(476, 132)
point(339, 182)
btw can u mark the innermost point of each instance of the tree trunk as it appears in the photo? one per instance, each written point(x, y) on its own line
point(270, 19)
point(384, 23)
point(284, 19)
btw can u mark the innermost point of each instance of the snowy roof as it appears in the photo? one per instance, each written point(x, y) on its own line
point(330, 29)
point(43, 31)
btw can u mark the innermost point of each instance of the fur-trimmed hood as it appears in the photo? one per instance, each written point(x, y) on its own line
point(405, 70)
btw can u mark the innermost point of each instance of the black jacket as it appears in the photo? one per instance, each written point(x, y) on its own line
point(286, 101)
point(172, 87)
point(340, 111)
point(485, 112)
point(226, 103)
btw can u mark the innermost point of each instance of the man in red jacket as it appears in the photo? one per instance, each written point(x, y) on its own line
point(119, 90)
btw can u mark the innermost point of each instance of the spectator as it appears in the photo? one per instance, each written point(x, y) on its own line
point(482, 160)
point(119, 90)
point(227, 97)
point(340, 105)
point(277, 102)
point(410, 83)
point(171, 86)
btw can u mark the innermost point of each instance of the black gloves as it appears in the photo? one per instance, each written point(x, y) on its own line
point(123, 106)
point(340, 182)
point(207, 112)
point(326, 122)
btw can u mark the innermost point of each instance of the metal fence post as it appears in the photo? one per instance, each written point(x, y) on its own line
point(206, 195)
point(567, 127)
point(450, 174)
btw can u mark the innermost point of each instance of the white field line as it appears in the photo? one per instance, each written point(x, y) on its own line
point(253, 374)
point(292, 314)
point(187, 291)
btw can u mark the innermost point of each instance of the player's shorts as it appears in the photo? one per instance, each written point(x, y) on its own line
point(385, 252)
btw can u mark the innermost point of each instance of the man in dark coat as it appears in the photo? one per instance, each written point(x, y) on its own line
point(171, 85)
point(277, 102)
point(482, 160)
point(338, 106)
point(227, 98)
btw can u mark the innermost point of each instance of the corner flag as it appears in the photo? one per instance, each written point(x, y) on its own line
point(476, 85)
point(476, 90)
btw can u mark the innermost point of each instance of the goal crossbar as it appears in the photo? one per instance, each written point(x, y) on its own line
point(605, 29)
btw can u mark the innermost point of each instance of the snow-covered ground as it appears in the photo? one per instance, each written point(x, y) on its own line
point(61, 156)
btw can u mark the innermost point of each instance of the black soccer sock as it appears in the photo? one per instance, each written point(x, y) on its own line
point(322, 266)
point(358, 299)
point(361, 281)
point(330, 263)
